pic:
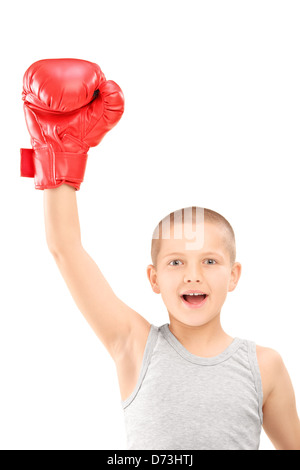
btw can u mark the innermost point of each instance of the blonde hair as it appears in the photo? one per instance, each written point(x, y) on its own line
point(209, 216)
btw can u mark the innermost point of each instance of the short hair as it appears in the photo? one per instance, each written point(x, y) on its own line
point(209, 216)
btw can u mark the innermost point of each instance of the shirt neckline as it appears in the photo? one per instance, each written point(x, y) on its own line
point(205, 361)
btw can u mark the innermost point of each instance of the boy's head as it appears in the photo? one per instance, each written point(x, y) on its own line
point(193, 249)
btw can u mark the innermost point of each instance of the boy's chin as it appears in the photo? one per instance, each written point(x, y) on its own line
point(193, 318)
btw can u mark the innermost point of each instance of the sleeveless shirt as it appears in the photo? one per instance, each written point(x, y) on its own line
point(183, 401)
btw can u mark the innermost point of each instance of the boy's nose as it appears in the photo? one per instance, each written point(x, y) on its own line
point(193, 274)
point(192, 277)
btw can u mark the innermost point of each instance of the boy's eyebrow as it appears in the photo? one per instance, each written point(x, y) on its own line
point(172, 254)
point(202, 254)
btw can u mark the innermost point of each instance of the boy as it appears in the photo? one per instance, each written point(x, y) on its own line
point(186, 385)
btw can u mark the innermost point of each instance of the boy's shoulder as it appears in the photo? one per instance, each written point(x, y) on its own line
point(268, 356)
point(270, 364)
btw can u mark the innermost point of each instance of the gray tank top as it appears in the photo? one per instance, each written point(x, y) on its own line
point(183, 401)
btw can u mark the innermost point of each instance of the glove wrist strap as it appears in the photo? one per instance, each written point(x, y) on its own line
point(51, 169)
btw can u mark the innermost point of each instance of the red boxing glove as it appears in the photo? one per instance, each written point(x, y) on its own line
point(69, 106)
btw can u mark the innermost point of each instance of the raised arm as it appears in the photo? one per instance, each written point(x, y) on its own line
point(111, 319)
point(69, 106)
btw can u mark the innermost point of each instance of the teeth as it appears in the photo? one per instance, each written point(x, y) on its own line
point(194, 294)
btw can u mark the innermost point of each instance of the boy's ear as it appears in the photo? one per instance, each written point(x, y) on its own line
point(236, 272)
point(152, 276)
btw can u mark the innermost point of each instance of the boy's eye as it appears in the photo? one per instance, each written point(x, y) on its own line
point(210, 261)
point(174, 261)
point(207, 261)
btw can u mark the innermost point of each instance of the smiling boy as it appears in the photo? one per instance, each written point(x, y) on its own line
point(210, 270)
point(187, 384)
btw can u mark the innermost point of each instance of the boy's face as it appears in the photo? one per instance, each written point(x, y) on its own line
point(207, 269)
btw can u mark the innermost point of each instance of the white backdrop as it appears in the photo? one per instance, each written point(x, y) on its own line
point(211, 119)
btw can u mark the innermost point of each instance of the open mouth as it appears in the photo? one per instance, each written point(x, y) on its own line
point(194, 300)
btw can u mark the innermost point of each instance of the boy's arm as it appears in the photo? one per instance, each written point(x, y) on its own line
point(280, 419)
point(113, 321)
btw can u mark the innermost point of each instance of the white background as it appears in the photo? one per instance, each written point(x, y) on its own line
point(212, 119)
